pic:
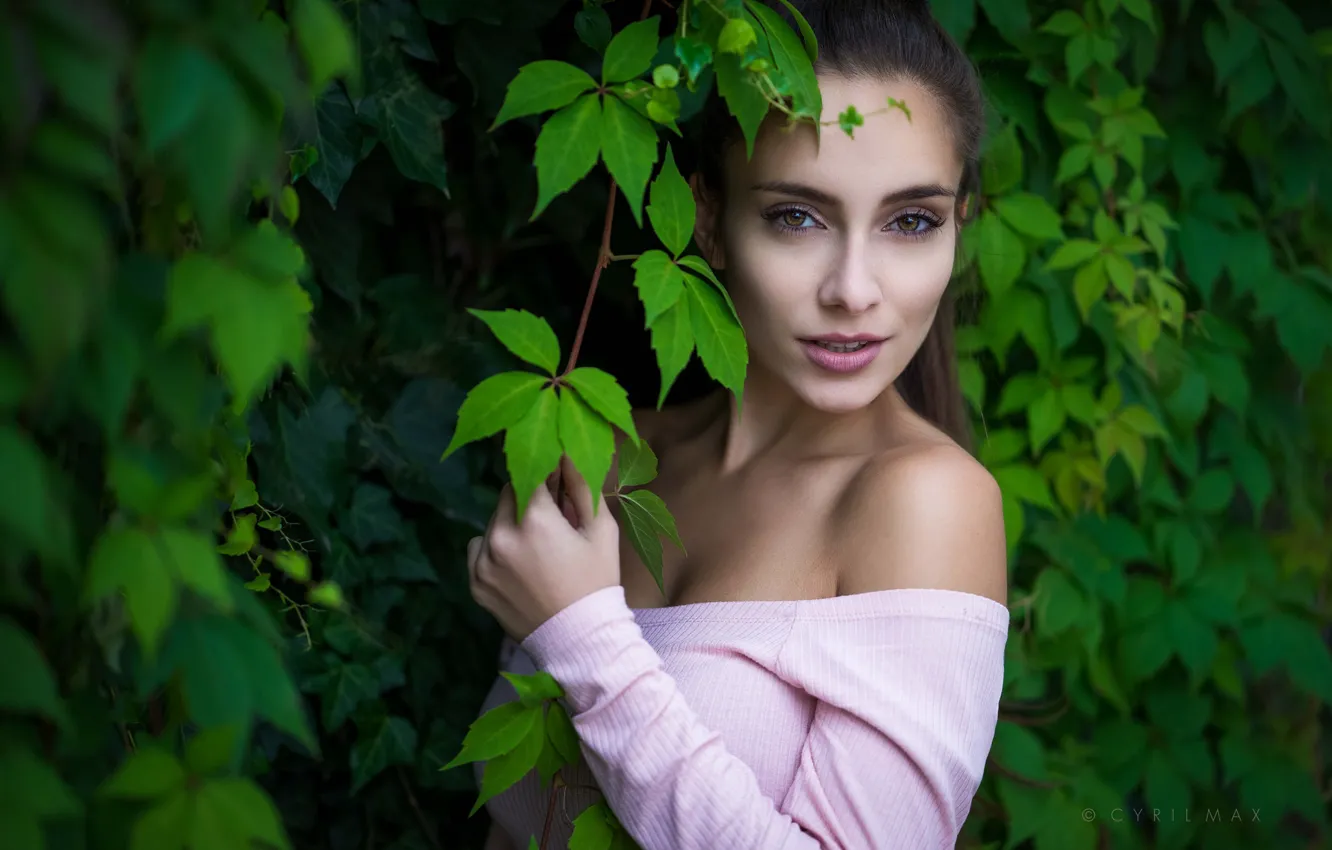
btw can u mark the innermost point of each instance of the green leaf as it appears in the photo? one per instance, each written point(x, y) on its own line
point(1072, 253)
point(695, 55)
point(324, 40)
point(736, 36)
point(588, 441)
point(629, 149)
point(560, 731)
point(527, 336)
point(630, 53)
point(25, 503)
point(1059, 604)
point(720, 339)
point(1090, 284)
point(1030, 214)
point(593, 27)
point(164, 825)
point(31, 787)
point(1025, 483)
point(211, 750)
point(372, 518)
point(173, 80)
point(127, 560)
point(1018, 749)
point(192, 559)
point(148, 773)
point(541, 86)
point(604, 395)
point(241, 538)
point(1066, 23)
point(1045, 419)
point(506, 769)
point(383, 742)
point(29, 684)
point(702, 269)
point(636, 464)
point(1002, 256)
point(535, 688)
point(672, 208)
point(743, 99)
point(591, 829)
point(532, 448)
point(659, 282)
point(337, 144)
point(648, 520)
point(1001, 164)
point(236, 807)
point(493, 405)
point(792, 60)
point(497, 731)
point(342, 689)
point(1192, 638)
point(409, 118)
point(673, 341)
point(806, 32)
point(567, 148)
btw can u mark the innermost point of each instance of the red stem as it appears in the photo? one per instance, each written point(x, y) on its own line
point(603, 260)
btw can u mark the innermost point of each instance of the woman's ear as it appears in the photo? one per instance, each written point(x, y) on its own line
point(706, 223)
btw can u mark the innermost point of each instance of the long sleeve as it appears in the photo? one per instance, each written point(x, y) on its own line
point(907, 685)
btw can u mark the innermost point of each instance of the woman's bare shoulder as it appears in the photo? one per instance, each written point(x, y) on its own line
point(925, 514)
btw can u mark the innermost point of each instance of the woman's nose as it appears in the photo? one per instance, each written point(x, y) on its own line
point(852, 285)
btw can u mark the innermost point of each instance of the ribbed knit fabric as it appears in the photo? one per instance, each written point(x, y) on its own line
point(849, 723)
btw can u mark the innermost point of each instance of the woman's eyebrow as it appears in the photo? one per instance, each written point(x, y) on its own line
point(910, 193)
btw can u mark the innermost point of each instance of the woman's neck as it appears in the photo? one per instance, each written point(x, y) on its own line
point(776, 422)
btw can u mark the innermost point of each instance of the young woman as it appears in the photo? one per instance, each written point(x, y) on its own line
point(825, 668)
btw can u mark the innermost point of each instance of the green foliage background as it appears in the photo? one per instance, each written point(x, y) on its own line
point(234, 604)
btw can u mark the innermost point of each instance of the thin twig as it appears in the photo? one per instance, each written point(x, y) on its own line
point(550, 814)
point(603, 259)
point(420, 815)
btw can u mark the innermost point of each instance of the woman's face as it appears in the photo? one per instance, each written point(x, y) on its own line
point(841, 238)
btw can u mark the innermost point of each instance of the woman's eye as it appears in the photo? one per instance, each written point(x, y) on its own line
point(795, 218)
point(911, 223)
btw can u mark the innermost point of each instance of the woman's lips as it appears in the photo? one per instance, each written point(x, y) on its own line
point(842, 361)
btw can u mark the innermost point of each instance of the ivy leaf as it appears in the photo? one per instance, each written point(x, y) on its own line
point(743, 99)
point(372, 517)
point(588, 441)
point(30, 685)
point(236, 807)
point(505, 769)
point(736, 36)
point(192, 558)
point(695, 55)
point(541, 86)
point(636, 464)
point(720, 340)
point(1072, 253)
point(532, 448)
point(1001, 165)
point(604, 395)
point(592, 831)
point(702, 269)
point(672, 207)
point(1090, 284)
point(493, 405)
point(648, 520)
point(673, 341)
point(630, 53)
point(337, 143)
point(629, 149)
point(1045, 418)
point(567, 148)
point(659, 282)
point(527, 336)
point(496, 732)
point(383, 742)
point(409, 118)
point(1002, 255)
point(1059, 604)
point(33, 788)
point(1030, 214)
point(792, 61)
point(342, 689)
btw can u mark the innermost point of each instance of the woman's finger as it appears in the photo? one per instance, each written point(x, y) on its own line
point(578, 492)
point(474, 547)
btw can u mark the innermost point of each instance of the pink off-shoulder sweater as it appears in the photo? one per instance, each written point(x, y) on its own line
point(849, 723)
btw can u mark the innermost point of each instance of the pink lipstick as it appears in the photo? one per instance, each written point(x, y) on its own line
point(842, 353)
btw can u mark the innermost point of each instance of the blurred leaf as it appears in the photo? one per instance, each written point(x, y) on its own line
point(383, 742)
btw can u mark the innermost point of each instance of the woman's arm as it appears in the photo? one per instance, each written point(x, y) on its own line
point(907, 684)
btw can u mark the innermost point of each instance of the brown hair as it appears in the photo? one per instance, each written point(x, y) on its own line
point(891, 39)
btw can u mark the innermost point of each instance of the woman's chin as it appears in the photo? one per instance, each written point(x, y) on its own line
point(834, 396)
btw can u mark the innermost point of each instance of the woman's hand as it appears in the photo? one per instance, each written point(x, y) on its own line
point(525, 573)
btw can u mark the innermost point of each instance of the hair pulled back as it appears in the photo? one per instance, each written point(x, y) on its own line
point(889, 40)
